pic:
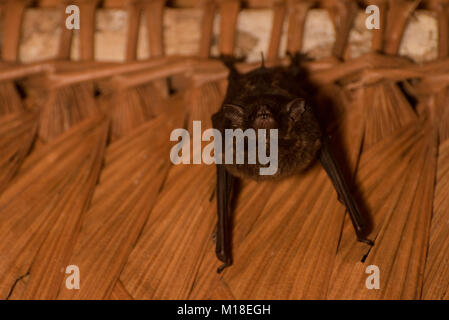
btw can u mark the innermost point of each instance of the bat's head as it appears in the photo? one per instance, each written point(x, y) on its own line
point(268, 112)
point(267, 99)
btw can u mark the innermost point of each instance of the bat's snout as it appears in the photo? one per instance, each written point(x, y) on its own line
point(264, 119)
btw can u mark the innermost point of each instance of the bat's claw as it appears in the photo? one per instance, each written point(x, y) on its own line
point(223, 266)
point(225, 258)
point(367, 241)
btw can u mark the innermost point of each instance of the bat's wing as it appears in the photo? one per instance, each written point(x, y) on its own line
point(330, 165)
point(224, 191)
point(224, 224)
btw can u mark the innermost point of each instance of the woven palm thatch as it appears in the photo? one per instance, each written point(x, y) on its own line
point(41, 210)
point(17, 134)
point(86, 179)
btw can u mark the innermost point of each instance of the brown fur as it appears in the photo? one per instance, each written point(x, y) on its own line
point(259, 100)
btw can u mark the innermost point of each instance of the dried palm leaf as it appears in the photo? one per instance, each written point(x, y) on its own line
point(41, 210)
point(398, 160)
point(128, 108)
point(248, 207)
point(396, 181)
point(132, 99)
point(139, 161)
point(134, 170)
point(203, 100)
point(10, 101)
point(65, 107)
point(173, 210)
point(18, 127)
point(17, 132)
point(386, 110)
point(119, 292)
point(435, 276)
point(174, 238)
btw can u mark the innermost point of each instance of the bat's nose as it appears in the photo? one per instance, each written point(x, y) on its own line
point(264, 119)
point(264, 113)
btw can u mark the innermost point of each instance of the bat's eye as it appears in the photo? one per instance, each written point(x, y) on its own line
point(263, 113)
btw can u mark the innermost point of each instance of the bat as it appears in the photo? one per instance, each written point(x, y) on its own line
point(274, 98)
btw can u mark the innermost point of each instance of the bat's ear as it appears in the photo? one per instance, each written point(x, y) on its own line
point(234, 113)
point(296, 108)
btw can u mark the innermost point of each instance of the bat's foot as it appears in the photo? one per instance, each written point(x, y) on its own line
point(367, 241)
point(225, 258)
point(223, 266)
